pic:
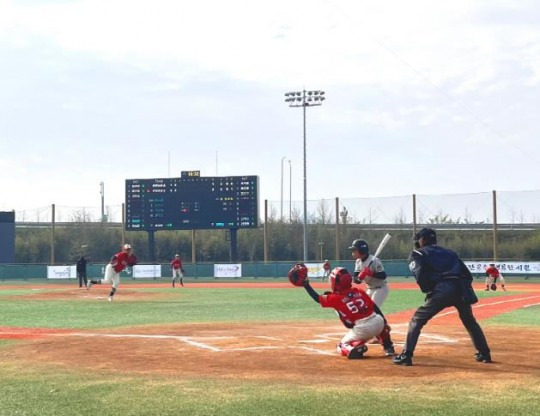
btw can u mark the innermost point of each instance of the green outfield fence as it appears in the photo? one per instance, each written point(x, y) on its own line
point(254, 270)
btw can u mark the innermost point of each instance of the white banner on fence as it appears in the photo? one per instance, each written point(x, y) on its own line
point(146, 271)
point(315, 269)
point(61, 272)
point(508, 267)
point(227, 270)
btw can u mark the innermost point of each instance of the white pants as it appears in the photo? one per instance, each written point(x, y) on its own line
point(177, 273)
point(364, 329)
point(111, 276)
point(378, 294)
point(490, 280)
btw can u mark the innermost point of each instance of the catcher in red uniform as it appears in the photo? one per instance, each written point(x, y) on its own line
point(355, 309)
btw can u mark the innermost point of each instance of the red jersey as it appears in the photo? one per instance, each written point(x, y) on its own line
point(326, 265)
point(120, 261)
point(176, 264)
point(492, 271)
point(353, 305)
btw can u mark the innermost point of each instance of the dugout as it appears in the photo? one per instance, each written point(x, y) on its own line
point(7, 236)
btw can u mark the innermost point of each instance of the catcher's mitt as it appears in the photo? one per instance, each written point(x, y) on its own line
point(493, 286)
point(298, 274)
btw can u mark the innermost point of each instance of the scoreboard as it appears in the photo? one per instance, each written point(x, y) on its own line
point(192, 202)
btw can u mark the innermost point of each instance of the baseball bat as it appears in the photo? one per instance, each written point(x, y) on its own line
point(383, 243)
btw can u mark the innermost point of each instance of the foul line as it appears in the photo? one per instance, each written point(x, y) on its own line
point(487, 304)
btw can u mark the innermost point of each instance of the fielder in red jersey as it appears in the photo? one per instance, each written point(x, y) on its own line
point(493, 274)
point(120, 261)
point(177, 270)
point(356, 311)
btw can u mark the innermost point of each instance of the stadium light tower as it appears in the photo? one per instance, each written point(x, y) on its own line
point(305, 99)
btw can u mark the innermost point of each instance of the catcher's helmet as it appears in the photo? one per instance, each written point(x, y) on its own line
point(340, 279)
point(428, 234)
point(361, 246)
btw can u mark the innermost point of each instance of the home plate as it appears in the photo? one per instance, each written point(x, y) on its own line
point(314, 341)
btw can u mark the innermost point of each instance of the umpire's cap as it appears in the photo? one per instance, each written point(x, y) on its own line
point(428, 234)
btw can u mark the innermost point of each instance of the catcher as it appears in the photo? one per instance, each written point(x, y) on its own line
point(355, 309)
point(119, 262)
point(493, 274)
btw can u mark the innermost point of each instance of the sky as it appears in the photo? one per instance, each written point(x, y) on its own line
point(422, 97)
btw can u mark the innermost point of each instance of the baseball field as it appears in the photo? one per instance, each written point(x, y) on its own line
point(253, 347)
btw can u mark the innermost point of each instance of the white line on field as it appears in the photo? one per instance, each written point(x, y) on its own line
point(270, 338)
point(199, 344)
point(532, 304)
point(315, 350)
point(453, 311)
point(187, 340)
point(252, 348)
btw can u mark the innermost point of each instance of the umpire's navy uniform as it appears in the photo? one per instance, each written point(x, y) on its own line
point(446, 280)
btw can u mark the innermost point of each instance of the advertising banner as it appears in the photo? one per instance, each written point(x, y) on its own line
point(61, 272)
point(227, 270)
point(315, 269)
point(508, 267)
point(147, 271)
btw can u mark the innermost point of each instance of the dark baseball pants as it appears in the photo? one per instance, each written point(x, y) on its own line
point(82, 279)
point(446, 293)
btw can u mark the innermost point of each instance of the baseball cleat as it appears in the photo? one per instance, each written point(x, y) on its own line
point(402, 359)
point(110, 298)
point(389, 352)
point(357, 352)
point(88, 285)
point(483, 357)
point(181, 282)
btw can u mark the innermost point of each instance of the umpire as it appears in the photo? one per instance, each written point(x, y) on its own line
point(446, 280)
point(81, 271)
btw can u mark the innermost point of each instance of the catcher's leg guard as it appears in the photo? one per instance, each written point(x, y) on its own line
point(385, 339)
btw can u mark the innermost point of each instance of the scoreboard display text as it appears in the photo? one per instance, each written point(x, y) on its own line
point(192, 202)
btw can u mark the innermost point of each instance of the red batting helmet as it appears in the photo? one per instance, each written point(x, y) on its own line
point(340, 279)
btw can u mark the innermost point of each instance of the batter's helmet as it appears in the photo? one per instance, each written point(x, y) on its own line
point(428, 234)
point(340, 279)
point(361, 246)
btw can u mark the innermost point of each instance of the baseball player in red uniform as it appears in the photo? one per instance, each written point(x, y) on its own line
point(177, 270)
point(326, 268)
point(119, 262)
point(493, 274)
point(356, 311)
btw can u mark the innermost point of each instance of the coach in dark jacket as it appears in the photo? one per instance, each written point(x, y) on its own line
point(446, 280)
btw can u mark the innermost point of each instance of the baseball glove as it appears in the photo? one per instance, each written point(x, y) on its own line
point(493, 286)
point(298, 274)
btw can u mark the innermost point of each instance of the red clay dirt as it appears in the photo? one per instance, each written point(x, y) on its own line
point(298, 352)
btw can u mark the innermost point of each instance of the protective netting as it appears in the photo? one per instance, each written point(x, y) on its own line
point(513, 207)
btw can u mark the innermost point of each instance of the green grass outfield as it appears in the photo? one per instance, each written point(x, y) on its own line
point(46, 389)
